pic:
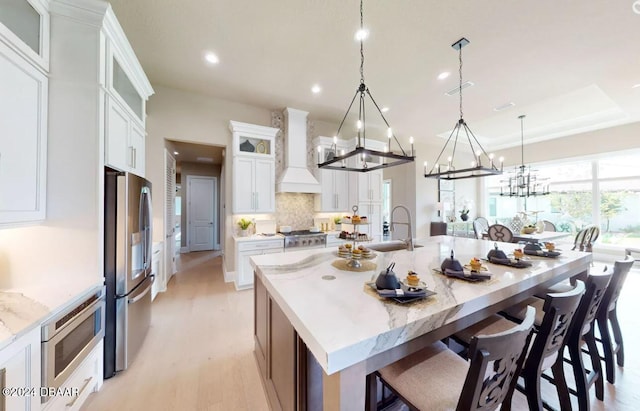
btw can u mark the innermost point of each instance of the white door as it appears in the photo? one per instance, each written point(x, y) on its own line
point(169, 217)
point(201, 212)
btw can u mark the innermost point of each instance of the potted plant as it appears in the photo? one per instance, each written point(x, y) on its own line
point(244, 225)
point(464, 213)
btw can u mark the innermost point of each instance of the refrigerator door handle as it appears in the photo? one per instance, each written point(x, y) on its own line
point(142, 294)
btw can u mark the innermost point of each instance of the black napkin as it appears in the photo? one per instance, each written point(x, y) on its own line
point(402, 293)
point(460, 274)
point(506, 261)
point(542, 253)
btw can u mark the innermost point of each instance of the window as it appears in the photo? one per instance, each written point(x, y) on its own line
point(604, 191)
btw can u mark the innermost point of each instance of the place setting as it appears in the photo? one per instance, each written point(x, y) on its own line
point(474, 271)
point(388, 286)
point(497, 256)
point(541, 250)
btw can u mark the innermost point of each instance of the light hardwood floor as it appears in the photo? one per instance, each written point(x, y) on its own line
point(198, 354)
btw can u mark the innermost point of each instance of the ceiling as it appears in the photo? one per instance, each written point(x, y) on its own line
point(195, 153)
point(569, 65)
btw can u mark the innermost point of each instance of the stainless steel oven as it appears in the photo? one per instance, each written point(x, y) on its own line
point(68, 338)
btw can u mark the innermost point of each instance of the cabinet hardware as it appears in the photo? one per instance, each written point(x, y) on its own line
point(257, 201)
point(84, 386)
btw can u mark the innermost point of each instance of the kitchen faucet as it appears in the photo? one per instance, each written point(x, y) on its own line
point(408, 241)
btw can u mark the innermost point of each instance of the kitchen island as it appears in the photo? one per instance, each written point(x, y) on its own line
point(319, 330)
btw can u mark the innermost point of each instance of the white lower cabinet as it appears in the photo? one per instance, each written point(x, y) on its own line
point(246, 249)
point(373, 212)
point(86, 379)
point(20, 373)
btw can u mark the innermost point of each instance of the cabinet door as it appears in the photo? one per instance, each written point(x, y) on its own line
point(341, 190)
point(264, 186)
point(136, 142)
point(364, 194)
point(20, 368)
point(326, 200)
point(375, 185)
point(244, 271)
point(23, 139)
point(373, 212)
point(118, 151)
point(243, 195)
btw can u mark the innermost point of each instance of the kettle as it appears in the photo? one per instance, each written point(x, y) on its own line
point(387, 279)
point(532, 248)
point(451, 264)
point(496, 253)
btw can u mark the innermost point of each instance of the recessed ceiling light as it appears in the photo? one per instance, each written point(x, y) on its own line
point(315, 89)
point(211, 58)
point(443, 75)
point(175, 153)
point(362, 34)
point(636, 86)
point(504, 106)
point(384, 109)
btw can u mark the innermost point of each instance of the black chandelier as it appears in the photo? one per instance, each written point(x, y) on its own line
point(482, 164)
point(523, 181)
point(361, 153)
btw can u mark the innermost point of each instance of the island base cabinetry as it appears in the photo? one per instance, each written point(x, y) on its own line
point(290, 374)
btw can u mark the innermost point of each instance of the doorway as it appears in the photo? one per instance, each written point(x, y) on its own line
point(202, 227)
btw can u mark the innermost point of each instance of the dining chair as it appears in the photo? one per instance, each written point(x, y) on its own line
point(499, 232)
point(436, 378)
point(585, 238)
point(608, 316)
point(553, 317)
point(480, 227)
point(549, 226)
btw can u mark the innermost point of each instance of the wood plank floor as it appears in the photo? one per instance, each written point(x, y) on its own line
point(198, 354)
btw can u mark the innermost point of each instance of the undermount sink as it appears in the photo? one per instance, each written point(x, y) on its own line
point(391, 246)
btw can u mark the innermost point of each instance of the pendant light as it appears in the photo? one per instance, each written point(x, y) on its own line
point(361, 153)
point(523, 181)
point(482, 164)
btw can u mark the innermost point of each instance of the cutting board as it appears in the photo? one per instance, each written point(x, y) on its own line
point(265, 226)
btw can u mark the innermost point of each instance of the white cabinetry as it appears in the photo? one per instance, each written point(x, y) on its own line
point(160, 282)
point(126, 97)
point(23, 139)
point(24, 63)
point(334, 196)
point(370, 186)
point(253, 168)
point(247, 248)
point(87, 378)
point(20, 370)
point(124, 139)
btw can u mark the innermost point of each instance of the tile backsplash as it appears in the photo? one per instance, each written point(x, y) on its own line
point(294, 209)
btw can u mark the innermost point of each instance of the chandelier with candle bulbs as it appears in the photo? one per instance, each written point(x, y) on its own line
point(363, 156)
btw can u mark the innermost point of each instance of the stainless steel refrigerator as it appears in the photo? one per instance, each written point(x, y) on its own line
point(127, 264)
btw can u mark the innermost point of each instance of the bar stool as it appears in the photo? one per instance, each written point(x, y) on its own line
point(553, 315)
point(436, 378)
point(607, 314)
point(499, 232)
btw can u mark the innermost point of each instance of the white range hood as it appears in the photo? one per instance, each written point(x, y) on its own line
point(296, 177)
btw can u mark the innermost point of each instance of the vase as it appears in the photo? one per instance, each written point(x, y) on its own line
point(244, 233)
point(464, 217)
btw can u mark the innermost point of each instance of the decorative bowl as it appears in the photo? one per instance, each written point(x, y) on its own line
point(528, 230)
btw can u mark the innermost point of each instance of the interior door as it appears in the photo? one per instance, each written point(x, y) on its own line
point(169, 217)
point(201, 212)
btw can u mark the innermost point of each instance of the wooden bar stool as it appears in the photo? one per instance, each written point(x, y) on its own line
point(553, 315)
point(608, 315)
point(436, 378)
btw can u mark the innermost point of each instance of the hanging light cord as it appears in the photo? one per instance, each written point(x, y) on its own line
point(361, 43)
point(522, 139)
point(460, 81)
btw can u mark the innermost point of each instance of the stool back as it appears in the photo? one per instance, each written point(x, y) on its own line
point(496, 361)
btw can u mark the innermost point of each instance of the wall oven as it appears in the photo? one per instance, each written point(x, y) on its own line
point(68, 338)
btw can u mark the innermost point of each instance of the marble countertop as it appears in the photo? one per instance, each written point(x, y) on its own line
point(23, 309)
point(343, 324)
point(258, 237)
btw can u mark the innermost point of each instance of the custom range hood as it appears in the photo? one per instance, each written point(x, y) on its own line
point(296, 177)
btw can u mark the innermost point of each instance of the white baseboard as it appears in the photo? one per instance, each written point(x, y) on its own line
point(184, 250)
point(229, 276)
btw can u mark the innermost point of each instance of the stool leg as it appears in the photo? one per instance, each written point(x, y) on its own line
point(532, 379)
point(617, 335)
point(560, 382)
point(596, 365)
point(372, 393)
point(607, 346)
point(579, 374)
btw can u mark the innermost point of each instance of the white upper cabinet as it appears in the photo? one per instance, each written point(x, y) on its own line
point(24, 27)
point(23, 138)
point(253, 168)
point(334, 195)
